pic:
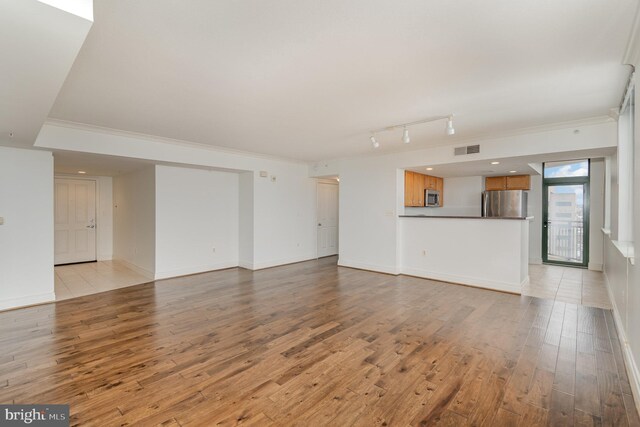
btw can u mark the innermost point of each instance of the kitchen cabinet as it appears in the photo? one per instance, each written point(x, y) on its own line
point(415, 184)
point(430, 182)
point(492, 183)
point(518, 182)
point(418, 189)
point(440, 188)
point(408, 188)
point(511, 182)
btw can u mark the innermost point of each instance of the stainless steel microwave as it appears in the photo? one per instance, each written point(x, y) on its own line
point(431, 198)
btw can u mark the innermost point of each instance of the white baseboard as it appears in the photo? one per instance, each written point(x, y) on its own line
point(595, 267)
point(370, 267)
point(515, 288)
point(246, 264)
point(629, 361)
point(146, 273)
point(10, 303)
point(283, 261)
point(535, 261)
point(104, 257)
point(195, 269)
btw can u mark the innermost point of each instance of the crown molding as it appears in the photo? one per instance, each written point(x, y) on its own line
point(164, 140)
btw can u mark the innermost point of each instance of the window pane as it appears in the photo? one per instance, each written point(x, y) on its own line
point(566, 169)
point(565, 224)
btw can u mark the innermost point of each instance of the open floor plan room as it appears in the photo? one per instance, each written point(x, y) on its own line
point(319, 213)
point(316, 344)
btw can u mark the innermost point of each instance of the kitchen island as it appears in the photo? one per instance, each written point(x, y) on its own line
point(490, 253)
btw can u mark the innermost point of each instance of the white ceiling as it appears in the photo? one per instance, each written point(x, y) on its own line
point(38, 44)
point(308, 79)
point(70, 162)
point(524, 165)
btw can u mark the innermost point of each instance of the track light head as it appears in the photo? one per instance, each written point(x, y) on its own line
point(374, 143)
point(450, 128)
point(405, 136)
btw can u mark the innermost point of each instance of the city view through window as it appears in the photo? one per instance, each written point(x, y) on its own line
point(566, 211)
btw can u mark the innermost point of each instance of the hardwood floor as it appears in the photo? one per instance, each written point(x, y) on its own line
point(315, 344)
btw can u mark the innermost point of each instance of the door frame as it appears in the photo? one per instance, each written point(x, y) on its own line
point(331, 181)
point(97, 207)
point(573, 180)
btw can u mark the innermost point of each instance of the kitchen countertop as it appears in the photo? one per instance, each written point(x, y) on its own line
point(462, 217)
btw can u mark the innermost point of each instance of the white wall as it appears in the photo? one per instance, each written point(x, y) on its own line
point(284, 210)
point(462, 196)
point(134, 220)
point(26, 238)
point(621, 269)
point(197, 220)
point(596, 214)
point(284, 217)
point(484, 253)
point(246, 220)
point(534, 209)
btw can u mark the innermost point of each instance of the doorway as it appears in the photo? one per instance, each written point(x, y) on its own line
point(565, 226)
point(327, 214)
point(75, 221)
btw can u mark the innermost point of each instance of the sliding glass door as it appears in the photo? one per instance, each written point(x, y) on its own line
point(565, 232)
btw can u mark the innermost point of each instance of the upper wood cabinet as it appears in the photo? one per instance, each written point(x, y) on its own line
point(492, 183)
point(414, 186)
point(431, 182)
point(408, 188)
point(418, 189)
point(518, 182)
point(511, 182)
point(440, 188)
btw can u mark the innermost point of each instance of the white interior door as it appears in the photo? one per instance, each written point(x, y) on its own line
point(75, 220)
point(327, 219)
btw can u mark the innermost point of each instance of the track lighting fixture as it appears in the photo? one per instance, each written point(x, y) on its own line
point(374, 143)
point(405, 136)
point(450, 130)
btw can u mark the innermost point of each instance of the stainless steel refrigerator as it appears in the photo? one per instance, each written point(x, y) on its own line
point(504, 204)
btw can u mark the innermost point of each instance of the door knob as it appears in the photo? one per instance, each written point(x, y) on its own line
point(91, 226)
point(319, 225)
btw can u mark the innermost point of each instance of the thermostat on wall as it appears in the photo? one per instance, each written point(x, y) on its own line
point(263, 174)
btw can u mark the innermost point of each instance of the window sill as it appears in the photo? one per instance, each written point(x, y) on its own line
point(626, 249)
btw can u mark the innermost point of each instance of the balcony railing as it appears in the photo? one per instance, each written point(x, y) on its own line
point(565, 241)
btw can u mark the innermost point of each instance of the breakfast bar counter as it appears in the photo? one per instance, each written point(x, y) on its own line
point(490, 253)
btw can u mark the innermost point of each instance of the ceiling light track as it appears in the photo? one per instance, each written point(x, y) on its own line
point(449, 130)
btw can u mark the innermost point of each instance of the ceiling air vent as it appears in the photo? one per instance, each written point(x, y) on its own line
point(470, 149)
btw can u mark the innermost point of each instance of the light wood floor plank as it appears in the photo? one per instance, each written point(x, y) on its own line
point(315, 344)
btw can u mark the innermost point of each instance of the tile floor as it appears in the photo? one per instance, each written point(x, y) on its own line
point(76, 280)
point(568, 284)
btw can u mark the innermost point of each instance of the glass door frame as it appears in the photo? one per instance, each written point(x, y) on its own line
point(552, 182)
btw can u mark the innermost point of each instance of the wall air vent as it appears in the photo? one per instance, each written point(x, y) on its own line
point(470, 149)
